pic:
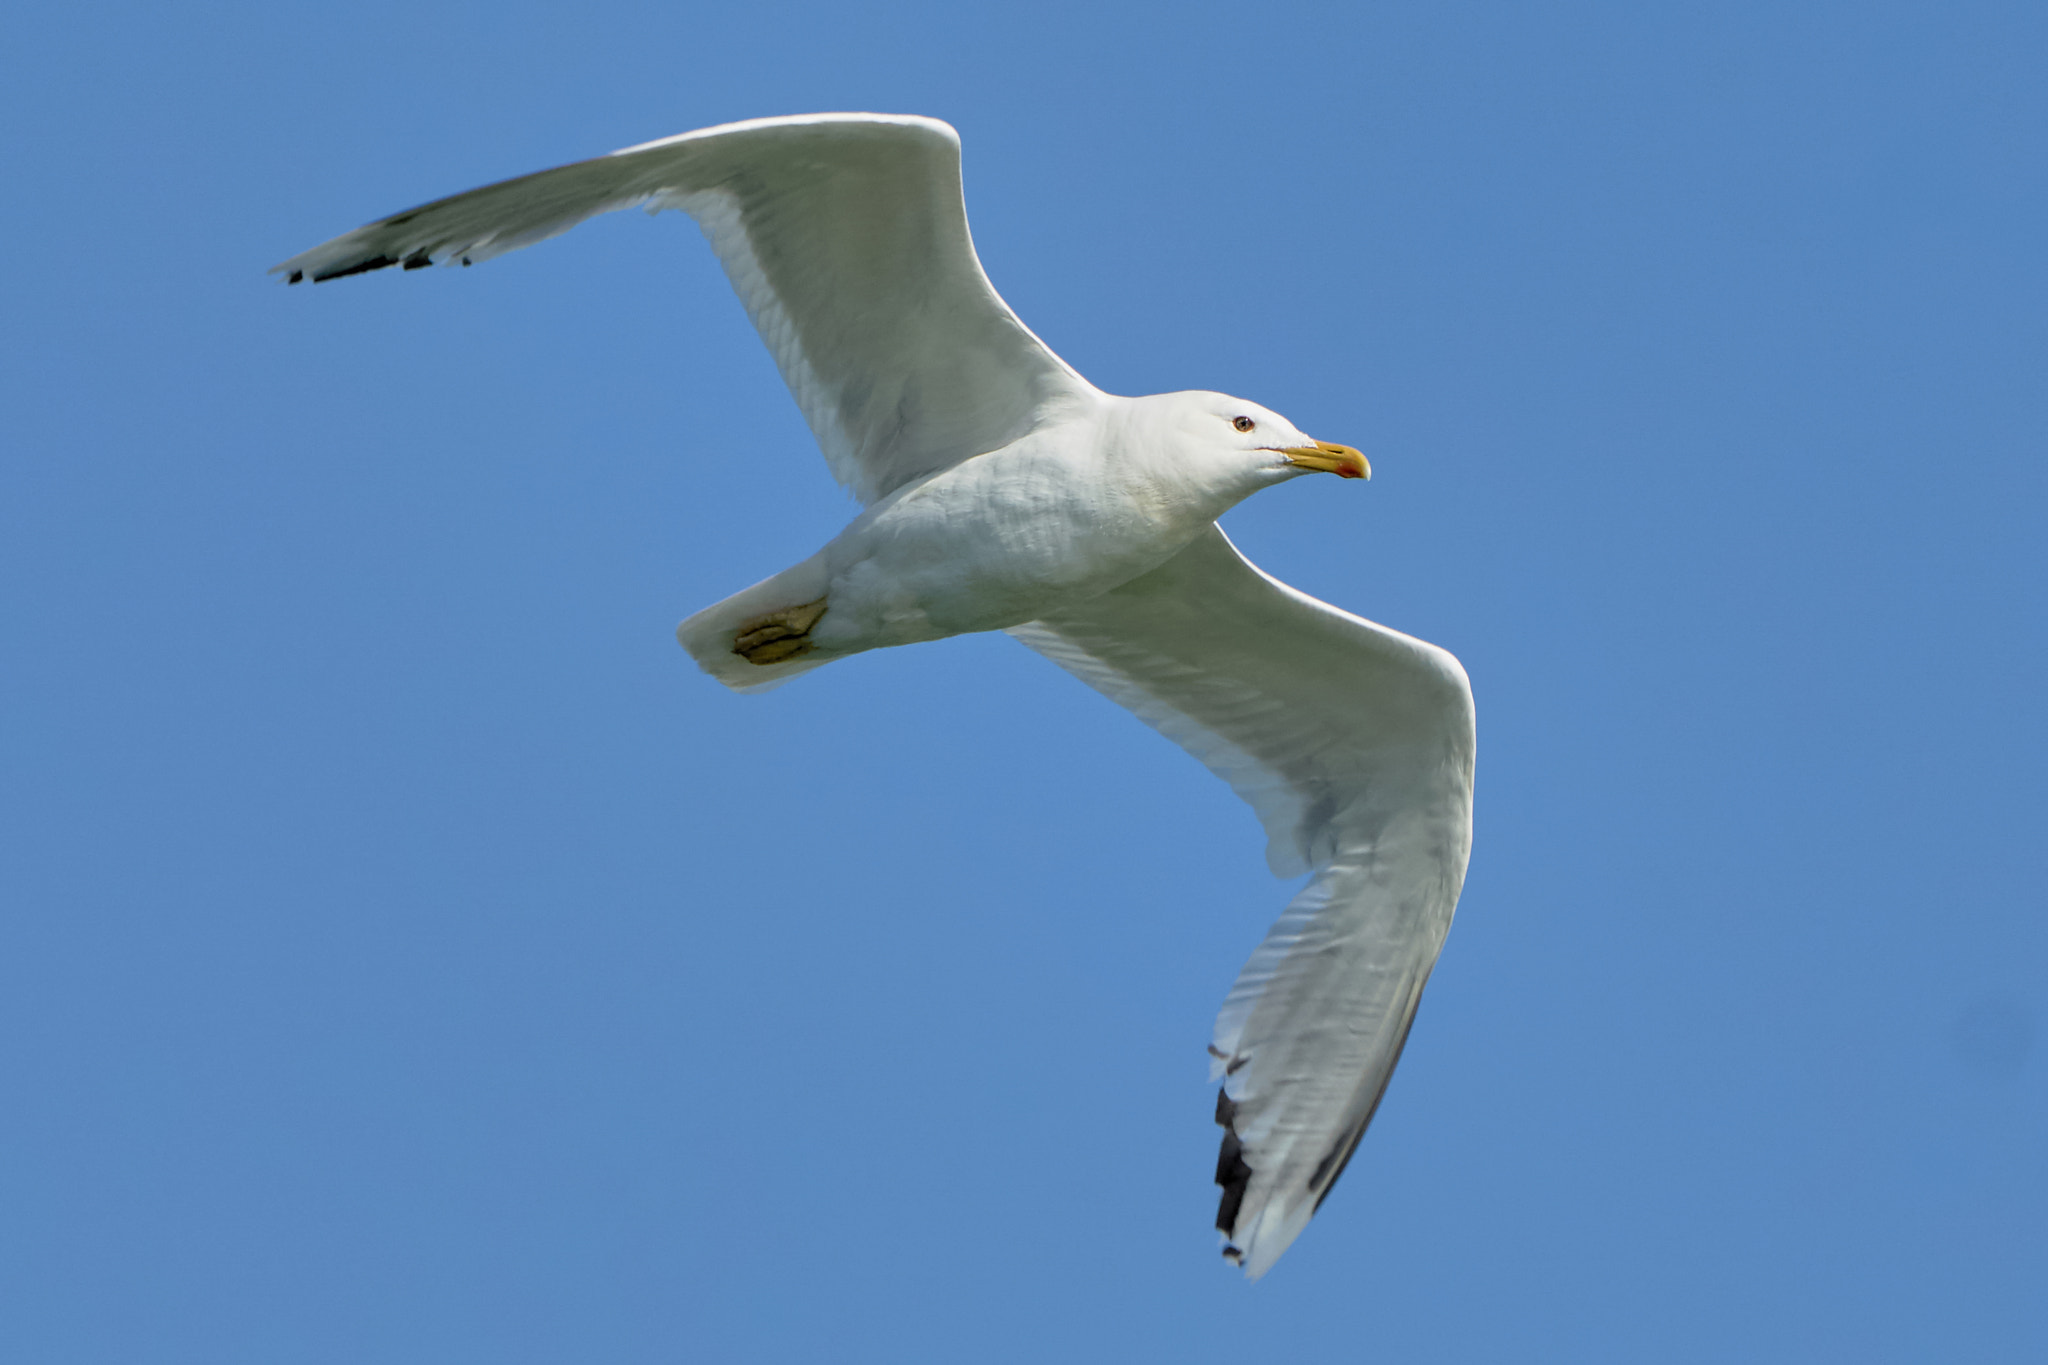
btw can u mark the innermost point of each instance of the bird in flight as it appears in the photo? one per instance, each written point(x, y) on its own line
point(1002, 491)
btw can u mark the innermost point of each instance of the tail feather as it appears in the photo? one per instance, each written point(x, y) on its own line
point(709, 635)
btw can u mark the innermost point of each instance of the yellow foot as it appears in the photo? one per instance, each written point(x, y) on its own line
point(779, 636)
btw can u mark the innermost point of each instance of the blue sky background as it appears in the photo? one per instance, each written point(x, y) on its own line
point(407, 956)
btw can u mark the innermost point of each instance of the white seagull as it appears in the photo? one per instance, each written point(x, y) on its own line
point(1002, 491)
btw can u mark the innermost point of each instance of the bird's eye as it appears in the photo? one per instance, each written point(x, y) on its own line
point(1243, 423)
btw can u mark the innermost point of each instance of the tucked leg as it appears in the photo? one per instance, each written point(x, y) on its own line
point(778, 636)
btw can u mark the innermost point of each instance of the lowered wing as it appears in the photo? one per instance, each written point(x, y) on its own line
point(1354, 744)
point(846, 238)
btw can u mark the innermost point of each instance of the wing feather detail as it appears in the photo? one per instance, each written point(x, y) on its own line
point(845, 236)
point(1354, 745)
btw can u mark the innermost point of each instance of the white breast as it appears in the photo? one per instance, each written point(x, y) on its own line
point(1001, 539)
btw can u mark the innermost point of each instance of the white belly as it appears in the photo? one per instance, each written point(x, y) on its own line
point(991, 543)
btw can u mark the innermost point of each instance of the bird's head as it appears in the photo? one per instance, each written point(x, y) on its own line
point(1231, 442)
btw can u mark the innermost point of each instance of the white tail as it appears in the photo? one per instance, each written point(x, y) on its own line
point(710, 633)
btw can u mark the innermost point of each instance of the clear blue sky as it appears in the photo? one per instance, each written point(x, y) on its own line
point(407, 956)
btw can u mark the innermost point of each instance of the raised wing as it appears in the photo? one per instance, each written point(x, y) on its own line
point(1354, 744)
point(846, 238)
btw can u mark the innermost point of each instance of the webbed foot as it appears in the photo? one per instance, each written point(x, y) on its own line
point(779, 636)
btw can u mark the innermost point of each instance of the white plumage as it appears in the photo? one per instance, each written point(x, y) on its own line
point(1005, 492)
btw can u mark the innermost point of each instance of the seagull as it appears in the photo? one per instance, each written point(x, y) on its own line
point(1002, 491)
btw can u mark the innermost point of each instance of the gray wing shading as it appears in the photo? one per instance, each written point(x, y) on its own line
point(846, 238)
point(1354, 745)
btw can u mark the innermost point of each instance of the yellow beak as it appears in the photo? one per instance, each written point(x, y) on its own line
point(1342, 461)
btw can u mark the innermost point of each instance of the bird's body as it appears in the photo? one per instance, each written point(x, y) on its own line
point(1005, 492)
point(1083, 503)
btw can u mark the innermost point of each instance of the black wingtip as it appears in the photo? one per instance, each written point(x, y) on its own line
point(295, 277)
point(1231, 1172)
point(362, 267)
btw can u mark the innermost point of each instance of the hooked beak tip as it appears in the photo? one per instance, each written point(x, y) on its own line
point(1330, 458)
